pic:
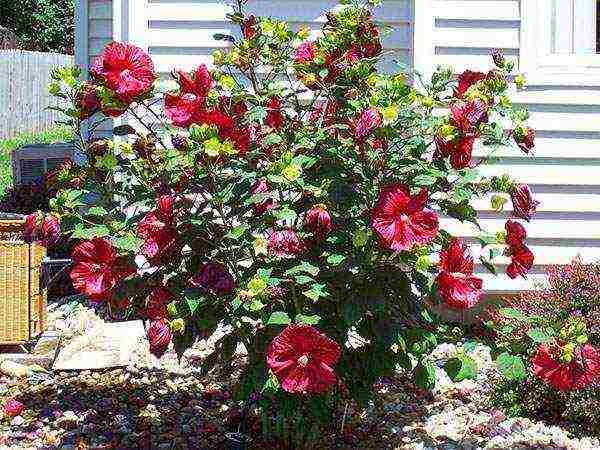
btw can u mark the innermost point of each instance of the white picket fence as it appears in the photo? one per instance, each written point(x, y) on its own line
point(24, 97)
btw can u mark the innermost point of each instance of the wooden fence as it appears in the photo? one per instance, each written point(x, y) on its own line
point(24, 97)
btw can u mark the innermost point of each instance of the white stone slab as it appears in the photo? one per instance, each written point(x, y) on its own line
point(103, 346)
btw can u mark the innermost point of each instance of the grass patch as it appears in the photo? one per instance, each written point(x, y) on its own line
point(54, 135)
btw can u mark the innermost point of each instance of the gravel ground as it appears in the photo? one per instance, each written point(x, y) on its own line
point(166, 405)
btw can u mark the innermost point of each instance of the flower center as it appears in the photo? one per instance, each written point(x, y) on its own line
point(303, 361)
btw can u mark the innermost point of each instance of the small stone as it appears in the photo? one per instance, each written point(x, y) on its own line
point(17, 421)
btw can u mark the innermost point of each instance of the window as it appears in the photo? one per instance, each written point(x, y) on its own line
point(560, 41)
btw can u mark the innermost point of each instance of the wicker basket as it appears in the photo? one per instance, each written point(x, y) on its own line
point(22, 301)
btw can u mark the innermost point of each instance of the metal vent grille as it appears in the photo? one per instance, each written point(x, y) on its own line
point(53, 163)
point(31, 170)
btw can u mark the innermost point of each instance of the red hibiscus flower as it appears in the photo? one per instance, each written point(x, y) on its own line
point(524, 206)
point(400, 220)
point(183, 108)
point(368, 121)
point(318, 221)
point(98, 269)
point(456, 285)
point(305, 53)
point(466, 80)
point(214, 278)
point(275, 117)
point(13, 408)
point(156, 304)
point(160, 239)
point(302, 359)
point(521, 261)
point(515, 233)
point(285, 243)
point(575, 375)
point(459, 150)
point(467, 116)
point(159, 336)
point(125, 69)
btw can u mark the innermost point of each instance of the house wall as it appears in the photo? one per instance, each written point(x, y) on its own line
point(565, 175)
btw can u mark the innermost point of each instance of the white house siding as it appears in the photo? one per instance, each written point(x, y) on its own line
point(565, 175)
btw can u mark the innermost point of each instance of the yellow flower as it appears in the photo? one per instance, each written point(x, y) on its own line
point(178, 326)
point(260, 246)
point(291, 172)
point(520, 81)
point(227, 82)
point(447, 131)
point(389, 114)
point(303, 32)
point(212, 147)
point(257, 285)
point(125, 149)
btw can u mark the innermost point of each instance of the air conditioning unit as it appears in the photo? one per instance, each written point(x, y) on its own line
point(31, 162)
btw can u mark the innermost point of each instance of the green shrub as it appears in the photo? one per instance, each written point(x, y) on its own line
point(41, 25)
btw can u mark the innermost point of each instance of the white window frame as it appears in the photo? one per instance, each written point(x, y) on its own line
point(540, 63)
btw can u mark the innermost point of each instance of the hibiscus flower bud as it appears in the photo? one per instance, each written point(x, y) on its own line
point(249, 28)
point(145, 147)
point(368, 121)
point(525, 138)
point(31, 229)
point(50, 231)
point(498, 58)
point(285, 243)
point(159, 337)
point(305, 53)
point(98, 149)
point(87, 101)
point(180, 142)
point(524, 206)
point(318, 221)
point(515, 233)
point(13, 408)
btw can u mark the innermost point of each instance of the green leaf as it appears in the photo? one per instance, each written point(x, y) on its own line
point(309, 320)
point(90, 233)
point(424, 180)
point(335, 260)
point(98, 211)
point(129, 243)
point(303, 267)
point(425, 375)
point(511, 366)
point(237, 232)
point(254, 305)
point(316, 291)
point(461, 368)
point(487, 239)
point(285, 214)
point(193, 304)
point(512, 313)
point(303, 279)
point(469, 346)
point(540, 336)
point(279, 318)
point(271, 386)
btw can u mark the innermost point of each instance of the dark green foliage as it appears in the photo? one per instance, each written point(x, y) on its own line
point(41, 25)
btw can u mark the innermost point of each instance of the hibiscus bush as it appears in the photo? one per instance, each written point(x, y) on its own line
point(295, 196)
point(548, 342)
